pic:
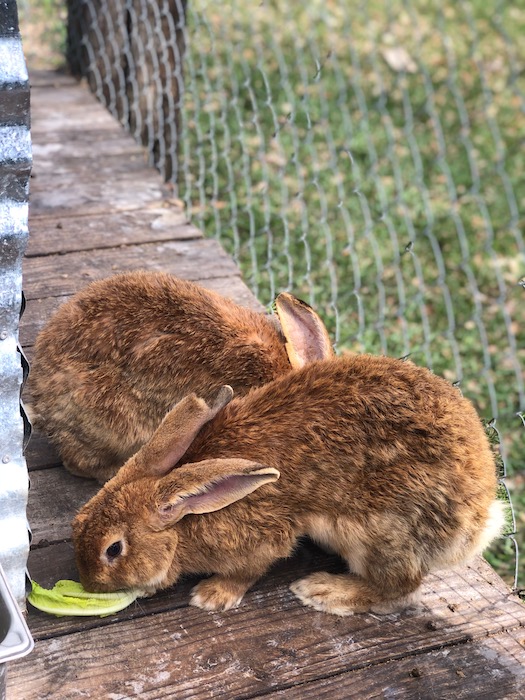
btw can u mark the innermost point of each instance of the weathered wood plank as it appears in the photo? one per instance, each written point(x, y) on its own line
point(50, 123)
point(107, 192)
point(158, 221)
point(270, 642)
point(91, 167)
point(69, 143)
point(72, 197)
point(85, 145)
point(79, 142)
point(68, 108)
point(54, 498)
point(40, 454)
point(51, 79)
point(58, 275)
point(61, 140)
point(485, 670)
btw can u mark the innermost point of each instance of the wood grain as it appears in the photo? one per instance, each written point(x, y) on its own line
point(54, 498)
point(156, 222)
point(59, 275)
point(486, 670)
point(103, 192)
point(40, 454)
point(79, 145)
point(66, 108)
point(270, 642)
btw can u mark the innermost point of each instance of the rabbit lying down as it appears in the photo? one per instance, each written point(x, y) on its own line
point(375, 458)
point(116, 357)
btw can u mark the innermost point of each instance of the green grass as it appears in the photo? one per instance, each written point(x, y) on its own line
point(43, 29)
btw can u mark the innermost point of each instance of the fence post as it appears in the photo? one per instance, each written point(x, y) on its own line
point(15, 167)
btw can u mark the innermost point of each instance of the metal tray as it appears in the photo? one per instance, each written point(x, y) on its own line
point(15, 638)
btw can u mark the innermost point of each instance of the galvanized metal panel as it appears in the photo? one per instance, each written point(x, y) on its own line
point(15, 167)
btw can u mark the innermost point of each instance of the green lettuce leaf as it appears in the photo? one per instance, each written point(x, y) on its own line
point(70, 598)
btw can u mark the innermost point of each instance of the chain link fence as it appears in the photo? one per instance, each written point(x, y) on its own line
point(368, 156)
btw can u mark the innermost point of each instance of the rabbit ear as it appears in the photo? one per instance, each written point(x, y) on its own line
point(207, 486)
point(306, 336)
point(173, 437)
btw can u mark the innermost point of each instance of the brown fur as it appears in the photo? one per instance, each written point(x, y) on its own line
point(379, 460)
point(116, 357)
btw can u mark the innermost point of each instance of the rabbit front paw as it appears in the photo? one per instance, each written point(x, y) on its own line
point(218, 593)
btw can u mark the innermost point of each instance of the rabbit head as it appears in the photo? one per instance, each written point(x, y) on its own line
point(143, 549)
point(125, 536)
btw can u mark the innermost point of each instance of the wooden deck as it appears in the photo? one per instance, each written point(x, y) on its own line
point(96, 209)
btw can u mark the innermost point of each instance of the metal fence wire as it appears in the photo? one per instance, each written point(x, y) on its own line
point(368, 156)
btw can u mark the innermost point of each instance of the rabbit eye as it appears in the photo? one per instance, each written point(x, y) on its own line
point(114, 550)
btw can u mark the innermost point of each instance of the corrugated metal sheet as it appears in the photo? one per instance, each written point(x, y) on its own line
point(15, 167)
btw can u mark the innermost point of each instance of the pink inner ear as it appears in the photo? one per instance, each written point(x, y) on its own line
point(221, 493)
point(311, 342)
point(307, 338)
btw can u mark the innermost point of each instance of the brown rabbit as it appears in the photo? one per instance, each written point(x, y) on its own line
point(116, 357)
point(377, 459)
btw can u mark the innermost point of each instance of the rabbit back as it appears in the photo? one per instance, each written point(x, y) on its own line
point(116, 357)
point(383, 442)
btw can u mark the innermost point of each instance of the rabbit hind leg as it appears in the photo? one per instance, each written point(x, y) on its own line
point(385, 578)
point(346, 594)
point(89, 462)
point(88, 453)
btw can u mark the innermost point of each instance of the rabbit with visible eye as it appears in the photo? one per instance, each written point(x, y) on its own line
point(375, 458)
point(116, 357)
